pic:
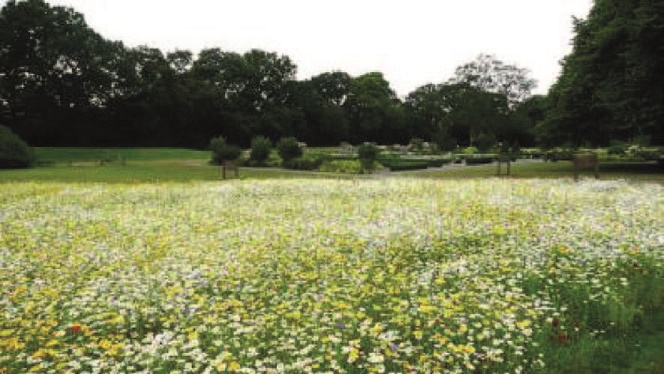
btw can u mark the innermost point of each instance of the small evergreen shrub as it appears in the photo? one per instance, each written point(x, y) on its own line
point(479, 160)
point(289, 149)
point(260, 150)
point(302, 163)
point(14, 152)
point(342, 166)
point(222, 151)
point(485, 141)
point(617, 148)
point(470, 150)
point(367, 154)
point(417, 145)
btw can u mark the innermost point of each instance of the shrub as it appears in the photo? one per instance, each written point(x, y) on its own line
point(14, 152)
point(470, 151)
point(302, 163)
point(342, 166)
point(289, 149)
point(485, 141)
point(479, 160)
point(617, 148)
point(411, 165)
point(260, 150)
point(417, 145)
point(367, 153)
point(222, 151)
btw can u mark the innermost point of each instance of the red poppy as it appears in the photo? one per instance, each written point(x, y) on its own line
point(75, 328)
point(563, 337)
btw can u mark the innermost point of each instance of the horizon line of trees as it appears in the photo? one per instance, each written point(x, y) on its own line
point(63, 84)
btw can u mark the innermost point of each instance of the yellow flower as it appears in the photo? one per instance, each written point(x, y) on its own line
point(13, 344)
point(424, 308)
point(377, 329)
point(466, 349)
point(353, 355)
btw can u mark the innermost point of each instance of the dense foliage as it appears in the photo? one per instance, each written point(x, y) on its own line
point(61, 83)
point(14, 152)
point(367, 154)
point(223, 151)
point(260, 150)
point(612, 84)
point(289, 148)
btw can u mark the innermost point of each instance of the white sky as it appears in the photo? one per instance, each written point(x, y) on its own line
point(411, 42)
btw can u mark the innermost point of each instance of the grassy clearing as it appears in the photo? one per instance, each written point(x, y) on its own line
point(150, 165)
point(647, 172)
point(388, 275)
point(65, 154)
point(134, 165)
point(143, 172)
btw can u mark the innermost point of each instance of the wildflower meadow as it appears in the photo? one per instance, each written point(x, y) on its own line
point(338, 276)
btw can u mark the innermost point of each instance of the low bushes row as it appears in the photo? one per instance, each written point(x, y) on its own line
point(479, 160)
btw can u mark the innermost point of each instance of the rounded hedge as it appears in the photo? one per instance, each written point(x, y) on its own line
point(222, 151)
point(260, 150)
point(14, 152)
point(289, 149)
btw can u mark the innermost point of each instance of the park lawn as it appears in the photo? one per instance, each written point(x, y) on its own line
point(526, 169)
point(68, 154)
point(150, 165)
point(146, 172)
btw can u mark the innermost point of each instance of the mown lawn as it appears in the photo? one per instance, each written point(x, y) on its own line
point(526, 169)
point(67, 154)
point(150, 165)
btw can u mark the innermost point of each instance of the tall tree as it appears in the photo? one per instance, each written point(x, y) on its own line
point(612, 84)
point(374, 111)
point(55, 71)
point(489, 74)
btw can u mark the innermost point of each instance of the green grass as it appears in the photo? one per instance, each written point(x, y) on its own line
point(148, 165)
point(145, 172)
point(67, 154)
point(650, 172)
point(640, 353)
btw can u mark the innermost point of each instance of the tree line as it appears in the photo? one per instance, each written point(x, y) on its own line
point(63, 84)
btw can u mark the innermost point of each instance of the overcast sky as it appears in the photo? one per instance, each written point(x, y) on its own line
point(412, 42)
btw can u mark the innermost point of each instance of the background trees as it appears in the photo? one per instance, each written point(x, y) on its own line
point(61, 83)
point(487, 73)
point(612, 84)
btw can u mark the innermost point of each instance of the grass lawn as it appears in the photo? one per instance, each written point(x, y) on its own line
point(647, 172)
point(149, 165)
point(66, 154)
point(134, 165)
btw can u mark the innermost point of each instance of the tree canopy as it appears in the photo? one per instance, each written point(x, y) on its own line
point(61, 83)
point(612, 84)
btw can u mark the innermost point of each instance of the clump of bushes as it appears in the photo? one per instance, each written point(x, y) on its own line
point(303, 163)
point(222, 151)
point(479, 160)
point(347, 167)
point(14, 152)
point(367, 154)
point(417, 145)
point(261, 147)
point(289, 149)
point(470, 150)
point(485, 141)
